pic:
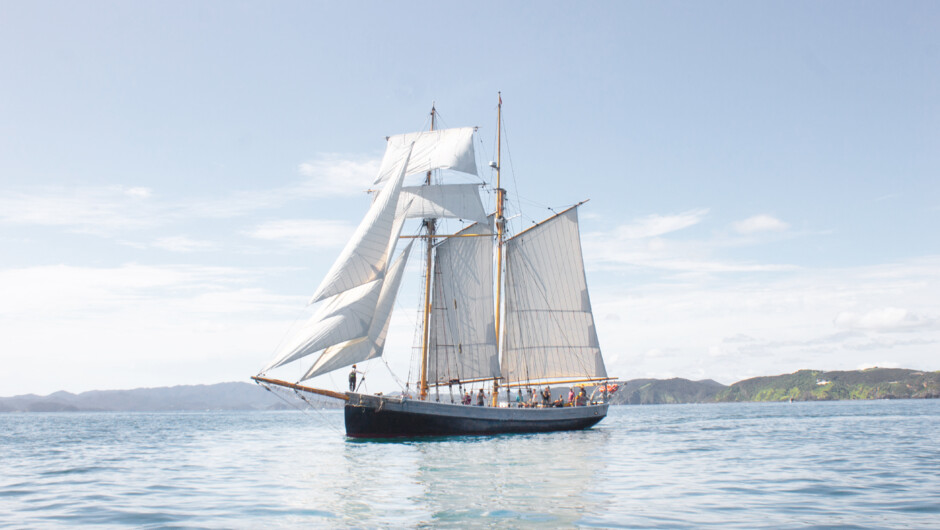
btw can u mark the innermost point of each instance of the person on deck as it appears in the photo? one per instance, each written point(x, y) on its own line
point(466, 398)
point(571, 396)
point(481, 398)
point(547, 397)
point(352, 378)
point(519, 399)
point(582, 398)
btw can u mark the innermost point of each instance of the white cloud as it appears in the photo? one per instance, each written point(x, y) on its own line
point(315, 233)
point(734, 329)
point(883, 319)
point(642, 244)
point(657, 225)
point(110, 210)
point(759, 223)
point(183, 244)
point(331, 175)
point(79, 328)
point(93, 210)
point(140, 192)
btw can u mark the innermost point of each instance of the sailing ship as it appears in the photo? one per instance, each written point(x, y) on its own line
point(528, 328)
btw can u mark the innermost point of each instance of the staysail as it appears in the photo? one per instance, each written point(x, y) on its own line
point(549, 326)
point(340, 318)
point(462, 342)
point(371, 344)
point(365, 256)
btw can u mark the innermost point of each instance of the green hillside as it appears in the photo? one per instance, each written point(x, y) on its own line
point(658, 391)
point(816, 385)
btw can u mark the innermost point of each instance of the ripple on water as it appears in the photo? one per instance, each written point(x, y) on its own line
point(735, 465)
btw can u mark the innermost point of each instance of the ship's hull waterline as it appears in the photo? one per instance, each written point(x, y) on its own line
point(370, 416)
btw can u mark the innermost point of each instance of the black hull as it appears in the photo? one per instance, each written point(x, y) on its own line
point(383, 417)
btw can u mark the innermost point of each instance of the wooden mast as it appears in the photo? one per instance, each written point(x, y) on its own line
point(500, 227)
point(429, 223)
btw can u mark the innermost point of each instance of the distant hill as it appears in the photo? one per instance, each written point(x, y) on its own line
point(804, 385)
point(816, 385)
point(222, 396)
point(664, 391)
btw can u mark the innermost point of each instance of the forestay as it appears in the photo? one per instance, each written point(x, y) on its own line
point(440, 149)
point(549, 327)
point(462, 342)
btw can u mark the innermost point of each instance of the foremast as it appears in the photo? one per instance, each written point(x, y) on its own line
point(500, 228)
point(430, 225)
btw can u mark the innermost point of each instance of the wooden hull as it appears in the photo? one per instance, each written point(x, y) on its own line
point(391, 417)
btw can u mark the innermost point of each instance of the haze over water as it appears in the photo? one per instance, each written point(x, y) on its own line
point(867, 464)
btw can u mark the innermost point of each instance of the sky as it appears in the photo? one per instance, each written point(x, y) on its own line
point(176, 177)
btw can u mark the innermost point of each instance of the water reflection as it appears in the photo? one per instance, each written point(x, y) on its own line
point(516, 479)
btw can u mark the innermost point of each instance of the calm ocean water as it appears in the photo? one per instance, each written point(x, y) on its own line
point(841, 464)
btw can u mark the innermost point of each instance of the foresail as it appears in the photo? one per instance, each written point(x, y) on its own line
point(370, 345)
point(340, 318)
point(453, 201)
point(365, 256)
point(549, 326)
point(462, 343)
point(440, 149)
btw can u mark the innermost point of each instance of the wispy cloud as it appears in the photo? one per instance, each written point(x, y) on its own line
point(826, 319)
point(80, 328)
point(882, 319)
point(657, 225)
point(93, 210)
point(332, 175)
point(647, 243)
point(183, 244)
point(759, 223)
point(313, 233)
point(111, 210)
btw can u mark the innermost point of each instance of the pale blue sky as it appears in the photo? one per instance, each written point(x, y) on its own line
point(175, 177)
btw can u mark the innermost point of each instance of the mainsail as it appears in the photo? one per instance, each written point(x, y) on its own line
point(462, 343)
point(549, 327)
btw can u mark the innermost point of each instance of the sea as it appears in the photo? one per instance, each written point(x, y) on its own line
point(849, 464)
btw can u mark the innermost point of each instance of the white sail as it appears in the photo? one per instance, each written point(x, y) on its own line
point(462, 343)
point(549, 327)
point(441, 149)
point(340, 318)
point(370, 345)
point(454, 201)
point(365, 256)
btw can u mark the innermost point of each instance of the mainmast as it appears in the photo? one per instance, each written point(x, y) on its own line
point(500, 228)
point(429, 223)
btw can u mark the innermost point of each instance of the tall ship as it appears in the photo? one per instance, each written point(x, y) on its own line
point(504, 317)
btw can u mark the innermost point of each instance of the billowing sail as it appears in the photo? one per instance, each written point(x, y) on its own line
point(365, 256)
point(462, 343)
point(340, 318)
point(441, 149)
point(453, 201)
point(549, 327)
point(370, 345)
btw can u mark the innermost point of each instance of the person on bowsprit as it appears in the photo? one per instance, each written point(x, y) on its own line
point(352, 378)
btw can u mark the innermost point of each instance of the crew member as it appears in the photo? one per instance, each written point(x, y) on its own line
point(352, 378)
